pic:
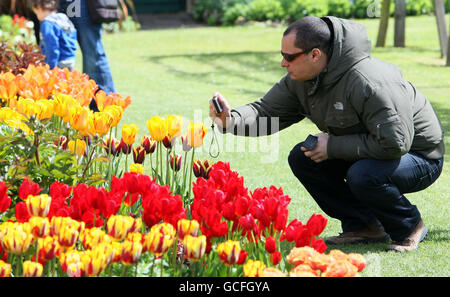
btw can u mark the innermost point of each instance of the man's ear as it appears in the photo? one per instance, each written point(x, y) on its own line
point(316, 54)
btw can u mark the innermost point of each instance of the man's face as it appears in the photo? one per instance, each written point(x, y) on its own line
point(303, 67)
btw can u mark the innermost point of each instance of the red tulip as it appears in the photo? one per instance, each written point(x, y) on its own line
point(270, 245)
point(247, 222)
point(275, 257)
point(5, 200)
point(316, 224)
point(242, 257)
point(22, 214)
point(28, 188)
point(319, 245)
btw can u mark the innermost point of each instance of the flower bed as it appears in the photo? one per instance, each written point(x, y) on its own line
point(69, 208)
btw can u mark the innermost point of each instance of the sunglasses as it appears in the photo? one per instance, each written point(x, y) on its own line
point(292, 57)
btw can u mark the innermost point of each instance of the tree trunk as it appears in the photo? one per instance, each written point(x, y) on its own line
point(400, 18)
point(189, 6)
point(439, 10)
point(384, 23)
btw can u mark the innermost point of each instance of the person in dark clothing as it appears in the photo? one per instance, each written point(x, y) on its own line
point(380, 135)
point(95, 61)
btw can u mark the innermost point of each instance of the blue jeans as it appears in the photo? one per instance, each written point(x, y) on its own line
point(367, 192)
point(95, 62)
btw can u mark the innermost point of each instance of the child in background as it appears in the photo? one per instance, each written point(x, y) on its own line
point(58, 34)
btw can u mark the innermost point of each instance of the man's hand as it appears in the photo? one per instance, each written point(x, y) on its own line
point(319, 153)
point(220, 119)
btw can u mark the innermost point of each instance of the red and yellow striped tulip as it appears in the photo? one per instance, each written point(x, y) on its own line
point(194, 247)
point(229, 252)
point(39, 206)
point(187, 227)
point(48, 248)
point(5, 269)
point(32, 269)
point(131, 251)
point(148, 144)
point(119, 226)
point(68, 236)
point(102, 122)
point(160, 238)
point(17, 241)
point(40, 226)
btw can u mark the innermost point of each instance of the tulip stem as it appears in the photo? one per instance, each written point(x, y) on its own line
point(162, 266)
point(190, 178)
point(126, 160)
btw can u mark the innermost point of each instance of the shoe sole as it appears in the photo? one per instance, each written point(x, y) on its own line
point(361, 241)
point(423, 235)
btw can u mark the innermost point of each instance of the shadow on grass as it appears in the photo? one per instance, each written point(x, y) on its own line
point(223, 65)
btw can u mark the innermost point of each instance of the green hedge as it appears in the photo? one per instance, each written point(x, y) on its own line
point(228, 12)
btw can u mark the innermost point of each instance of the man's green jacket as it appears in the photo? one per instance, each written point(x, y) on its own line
point(365, 105)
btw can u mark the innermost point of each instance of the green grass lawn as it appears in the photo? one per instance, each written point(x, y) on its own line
point(176, 72)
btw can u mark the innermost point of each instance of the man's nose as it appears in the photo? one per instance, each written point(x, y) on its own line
point(284, 63)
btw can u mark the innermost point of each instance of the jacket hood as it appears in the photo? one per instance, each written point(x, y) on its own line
point(62, 21)
point(350, 45)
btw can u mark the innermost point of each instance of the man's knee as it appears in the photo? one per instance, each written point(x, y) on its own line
point(362, 177)
point(297, 157)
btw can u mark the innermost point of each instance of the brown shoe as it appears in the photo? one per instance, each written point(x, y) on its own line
point(411, 242)
point(370, 234)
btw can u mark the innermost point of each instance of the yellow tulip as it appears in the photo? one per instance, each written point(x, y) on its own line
point(157, 127)
point(137, 168)
point(80, 146)
point(44, 109)
point(17, 241)
point(254, 268)
point(129, 132)
point(26, 107)
point(195, 134)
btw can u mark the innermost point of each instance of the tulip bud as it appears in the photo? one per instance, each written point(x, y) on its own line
point(167, 142)
point(186, 146)
point(126, 149)
point(149, 144)
point(32, 269)
point(270, 245)
point(62, 143)
point(201, 168)
point(175, 164)
point(275, 257)
point(139, 154)
point(39, 205)
point(112, 146)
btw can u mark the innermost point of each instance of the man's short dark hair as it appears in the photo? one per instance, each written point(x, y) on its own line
point(45, 4)
point(311, 32)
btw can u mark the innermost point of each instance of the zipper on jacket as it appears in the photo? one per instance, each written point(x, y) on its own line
point(378, 132)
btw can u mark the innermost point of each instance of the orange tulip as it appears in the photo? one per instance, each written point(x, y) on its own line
point(300, 255)
point(174, 125)
point(102, 122)
point(341, 268)
point(79, 118)
point(303, 270)
point(8, 87)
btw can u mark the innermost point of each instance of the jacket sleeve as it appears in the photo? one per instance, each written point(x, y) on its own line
point(276, 110)
point(51, 48)
point(386, 112)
